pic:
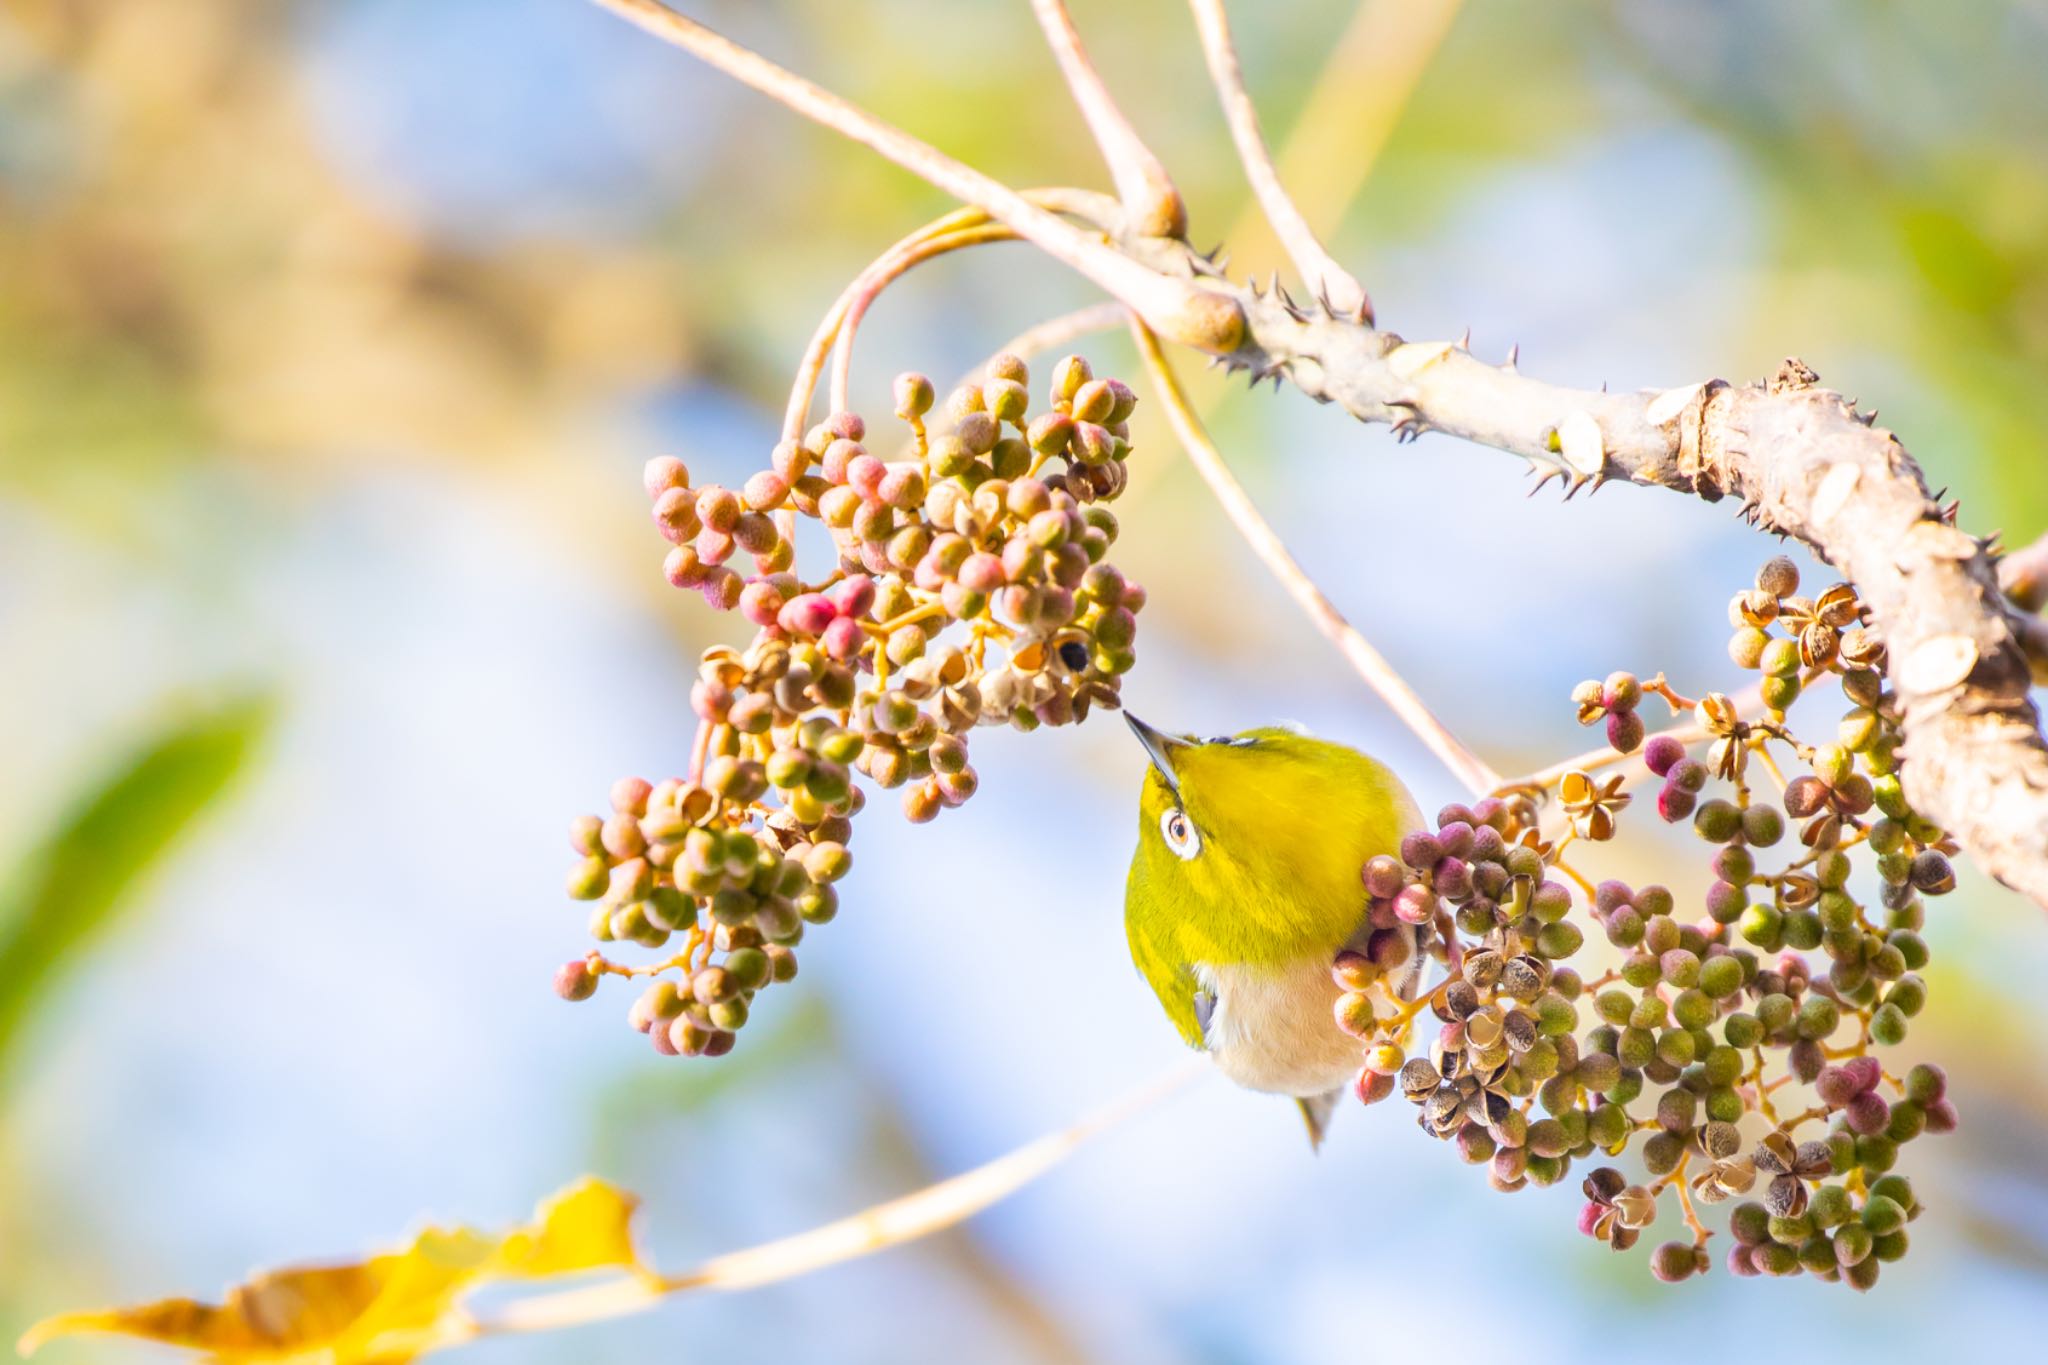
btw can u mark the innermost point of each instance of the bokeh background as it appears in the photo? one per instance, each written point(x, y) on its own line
point(332, 337)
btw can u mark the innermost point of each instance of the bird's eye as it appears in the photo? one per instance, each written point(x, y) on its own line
point(1180, 832)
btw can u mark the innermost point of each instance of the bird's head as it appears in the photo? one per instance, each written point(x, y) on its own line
point(1267, 825)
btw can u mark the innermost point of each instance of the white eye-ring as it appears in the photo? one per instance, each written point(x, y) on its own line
point(1181, 835)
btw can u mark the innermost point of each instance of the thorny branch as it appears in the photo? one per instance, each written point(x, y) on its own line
point(1800, 459)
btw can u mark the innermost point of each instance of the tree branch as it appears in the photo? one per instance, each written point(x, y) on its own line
point(1152, 206)
point(1802, 462)
point(1175, 308)
point(1358, 99)
point(1324, 277)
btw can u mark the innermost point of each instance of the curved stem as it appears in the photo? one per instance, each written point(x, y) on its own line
point(1089, 207)
point(929, 1210)
point(804, 387)
point(1322, 274)
point(1606, 756)
point(1366, 84)
point(1176, 308)
point(878, 277)
point(1478, 777)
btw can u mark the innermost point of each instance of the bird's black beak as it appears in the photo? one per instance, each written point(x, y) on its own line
point(1159, 746)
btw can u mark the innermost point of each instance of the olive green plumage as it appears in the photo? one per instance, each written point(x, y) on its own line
point(1246, 883)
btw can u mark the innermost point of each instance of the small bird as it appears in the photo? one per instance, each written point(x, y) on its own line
point(1244, 888)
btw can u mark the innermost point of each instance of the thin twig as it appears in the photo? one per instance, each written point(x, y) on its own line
point(802, 389)
point(1152, 206)
point(1592, 760)
point(1082, 204)
point(1324, 277)
point(929, 1210)
point(878, 277)
point(1379, 675)
point(1176, 308)
point(1366, 84)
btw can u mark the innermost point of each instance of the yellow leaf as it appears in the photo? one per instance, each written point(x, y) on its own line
point(386, 1309)
point(584, 1227)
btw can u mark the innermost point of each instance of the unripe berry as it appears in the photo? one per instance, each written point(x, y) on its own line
point(1662, 754)
point(575, 980)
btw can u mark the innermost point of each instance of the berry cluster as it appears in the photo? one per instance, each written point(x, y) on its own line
point(1696, 1042)
point(971, 589)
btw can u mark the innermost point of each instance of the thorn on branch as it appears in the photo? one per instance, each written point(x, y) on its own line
point(1793, 374)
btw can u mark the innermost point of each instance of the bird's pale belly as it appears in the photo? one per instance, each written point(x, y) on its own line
point(1275, 1029)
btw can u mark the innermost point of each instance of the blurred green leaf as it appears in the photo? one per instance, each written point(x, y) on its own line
point(74, 884)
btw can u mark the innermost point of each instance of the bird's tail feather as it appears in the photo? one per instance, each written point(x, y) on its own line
point(1316, 1113)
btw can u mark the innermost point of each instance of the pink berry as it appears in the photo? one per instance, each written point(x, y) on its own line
point(760, 602)
point(864, 474)
point(852, 596)
point(842, 639)
point(807, 614)
point(982, 572)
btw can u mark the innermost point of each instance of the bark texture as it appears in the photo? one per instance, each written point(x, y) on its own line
point(1802, 461)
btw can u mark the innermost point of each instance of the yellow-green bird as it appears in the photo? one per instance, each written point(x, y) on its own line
point(1244, 888)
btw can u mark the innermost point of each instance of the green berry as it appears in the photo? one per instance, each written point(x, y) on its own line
point(1899, 1190)
point(1819, 1017)
point(1559, 940)
point(1742, 1030)
point(1830, 1206)
point(1749, 1224)
point(1852, 1244)
point(1717, 821)
point(1882, 1215)
point(1720, 977)
point(1780, 692)
point(1763, 925)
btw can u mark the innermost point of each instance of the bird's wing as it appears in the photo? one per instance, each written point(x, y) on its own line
point(1316, 1113)
point(1175, 985)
